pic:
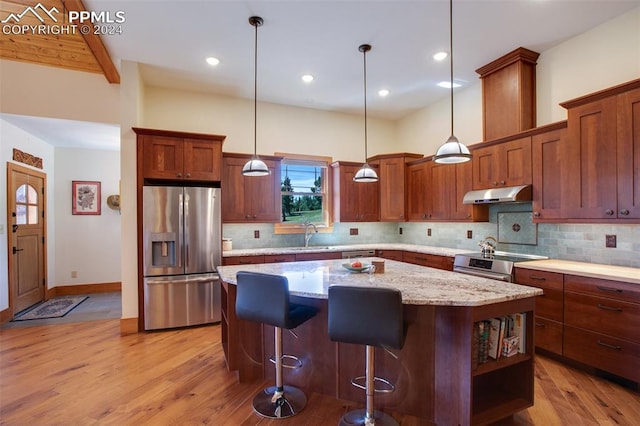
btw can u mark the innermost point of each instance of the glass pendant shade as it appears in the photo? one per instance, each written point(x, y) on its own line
point(452, 151)
point(365, 174)
point(255, 167)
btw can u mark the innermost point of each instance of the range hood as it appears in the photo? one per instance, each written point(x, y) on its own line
point(506, 194)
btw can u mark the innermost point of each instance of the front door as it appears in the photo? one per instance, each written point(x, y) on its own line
point(26, 239)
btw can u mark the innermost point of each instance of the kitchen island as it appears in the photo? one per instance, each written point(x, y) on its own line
point(437, 375)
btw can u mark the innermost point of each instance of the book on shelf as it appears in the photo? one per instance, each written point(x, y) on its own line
point(519, 321)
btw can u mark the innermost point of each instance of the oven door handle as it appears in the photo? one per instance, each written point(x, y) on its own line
point(499, 277)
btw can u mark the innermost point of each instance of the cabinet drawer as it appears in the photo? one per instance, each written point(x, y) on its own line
point(242, 260)
point(607, 316)
point(318, 256)
point(390, 254)
point(616, 356)
point(540, 279)
point(430, 260)
point(606, 288)
point(550, 304)
point(277, 258)
point(548, 334)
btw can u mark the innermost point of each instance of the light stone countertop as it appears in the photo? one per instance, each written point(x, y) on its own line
point(584, 269)
point(441, 251)
point(419, 285)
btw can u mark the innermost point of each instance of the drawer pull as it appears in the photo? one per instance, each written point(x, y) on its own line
point(539, 324)
point(534, 277)
point(606, 345)
point(609, 308)
point(611, 289)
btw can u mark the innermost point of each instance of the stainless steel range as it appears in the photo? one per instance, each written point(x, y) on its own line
point(497, 267)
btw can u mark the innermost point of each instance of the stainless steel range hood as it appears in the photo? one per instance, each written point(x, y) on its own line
point(507, 194)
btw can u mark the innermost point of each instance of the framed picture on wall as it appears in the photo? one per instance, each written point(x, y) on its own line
point(86, 197)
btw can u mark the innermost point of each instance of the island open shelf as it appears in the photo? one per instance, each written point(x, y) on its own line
point(434, 375)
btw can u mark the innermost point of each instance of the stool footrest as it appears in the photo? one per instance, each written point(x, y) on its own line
point(295, 364)
point(360, 382)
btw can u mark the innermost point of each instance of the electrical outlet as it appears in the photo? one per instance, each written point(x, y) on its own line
point(428, 232)
point(74, 274)
point(353, 231)
point(469, 234)
point(610, 241)
point(400, 230)
point(256, 234)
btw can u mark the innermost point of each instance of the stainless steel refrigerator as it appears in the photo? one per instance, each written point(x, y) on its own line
point(182, 250)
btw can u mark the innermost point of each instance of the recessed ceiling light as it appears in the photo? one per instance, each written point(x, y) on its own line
point(447, 85)
point(307, 78)
point(213, 61)
point(383, 92)
point(440, 56)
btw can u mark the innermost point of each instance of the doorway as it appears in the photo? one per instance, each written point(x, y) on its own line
point(26, 203)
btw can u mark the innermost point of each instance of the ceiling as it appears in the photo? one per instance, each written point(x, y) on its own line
point(171, 39)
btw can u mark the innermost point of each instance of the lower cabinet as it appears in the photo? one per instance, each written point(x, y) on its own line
point(430, 260)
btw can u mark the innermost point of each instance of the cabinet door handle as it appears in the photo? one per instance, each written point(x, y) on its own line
point(608, 212)
point(609, 308)
point(188, 175)
point(611, 289)
point(503, 183)
point(537, 278)
point(495, 183)
point(536, 214)
point(539, 324)
point(606, 345)
point(178, 174)
point(624, 212)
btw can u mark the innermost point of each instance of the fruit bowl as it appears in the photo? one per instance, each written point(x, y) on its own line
point(358, 267)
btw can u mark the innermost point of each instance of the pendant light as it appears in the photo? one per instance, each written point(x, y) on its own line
point(255, 166)
point(365, 173)
point(452, 151)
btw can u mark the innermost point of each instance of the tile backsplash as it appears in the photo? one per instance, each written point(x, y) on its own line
point(579, 242)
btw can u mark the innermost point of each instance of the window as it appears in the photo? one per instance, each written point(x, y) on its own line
point(26, 205)
point(304, 186)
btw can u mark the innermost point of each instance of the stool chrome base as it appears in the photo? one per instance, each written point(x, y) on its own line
point(292, 402)
point(358, 417)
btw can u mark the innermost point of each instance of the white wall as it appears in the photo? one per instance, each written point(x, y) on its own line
point(280, 128)
point(87, 244)
point(13, 137)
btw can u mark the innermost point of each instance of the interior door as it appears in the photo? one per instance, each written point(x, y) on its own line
point(26, 206)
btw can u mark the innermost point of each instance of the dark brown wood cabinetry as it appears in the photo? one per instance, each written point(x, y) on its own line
point(430, 260)
point(354, 201)
point(393, 188)
point(503, 163)
point(179, 156)
point(250, 198)
point(602, 156)
point(547, 163)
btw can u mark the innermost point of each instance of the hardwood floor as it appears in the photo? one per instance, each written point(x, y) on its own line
point(86, 373)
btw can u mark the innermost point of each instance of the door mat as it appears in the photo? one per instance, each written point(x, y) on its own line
point(52, 308)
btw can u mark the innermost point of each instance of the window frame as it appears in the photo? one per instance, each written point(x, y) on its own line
point(315, 160)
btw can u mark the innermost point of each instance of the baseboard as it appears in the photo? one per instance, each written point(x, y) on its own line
point(5, 316)
point(72, 290)
point(128, 326)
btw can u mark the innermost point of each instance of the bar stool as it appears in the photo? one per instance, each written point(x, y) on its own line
point(264, 298)
point(372, 317)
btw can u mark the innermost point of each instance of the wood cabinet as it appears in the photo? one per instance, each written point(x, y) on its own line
point(354, 201)
point(430, 260)
point(602, 318)
point(250, 198)
point(179, 156)
point(435, 192)
point(549, 317)
point(243, 260)
point(509, 94)
point(601, 156)
point(547, 163)
point(393, 188)
point(390, 254)
point(502, 163)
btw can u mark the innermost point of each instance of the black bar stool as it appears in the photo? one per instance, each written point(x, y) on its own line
point(264, 298)
point(372, 317)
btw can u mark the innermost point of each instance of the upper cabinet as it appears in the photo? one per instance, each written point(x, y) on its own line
point(180, 156)
point(354, 201)
point(601, 157)
point(392, 174)
point(502, 164)
point(250, 198)
point(509, 94)
point(547, 163)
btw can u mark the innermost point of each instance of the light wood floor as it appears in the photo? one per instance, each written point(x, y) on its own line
point(86, 373)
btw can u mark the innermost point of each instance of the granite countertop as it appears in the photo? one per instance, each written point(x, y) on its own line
point(420, 285)
point(584, 269)
point(441, 251)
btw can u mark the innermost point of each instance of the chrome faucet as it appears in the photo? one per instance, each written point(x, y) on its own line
point(307, 235)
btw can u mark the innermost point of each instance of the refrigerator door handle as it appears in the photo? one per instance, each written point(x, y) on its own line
point(213, 277)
